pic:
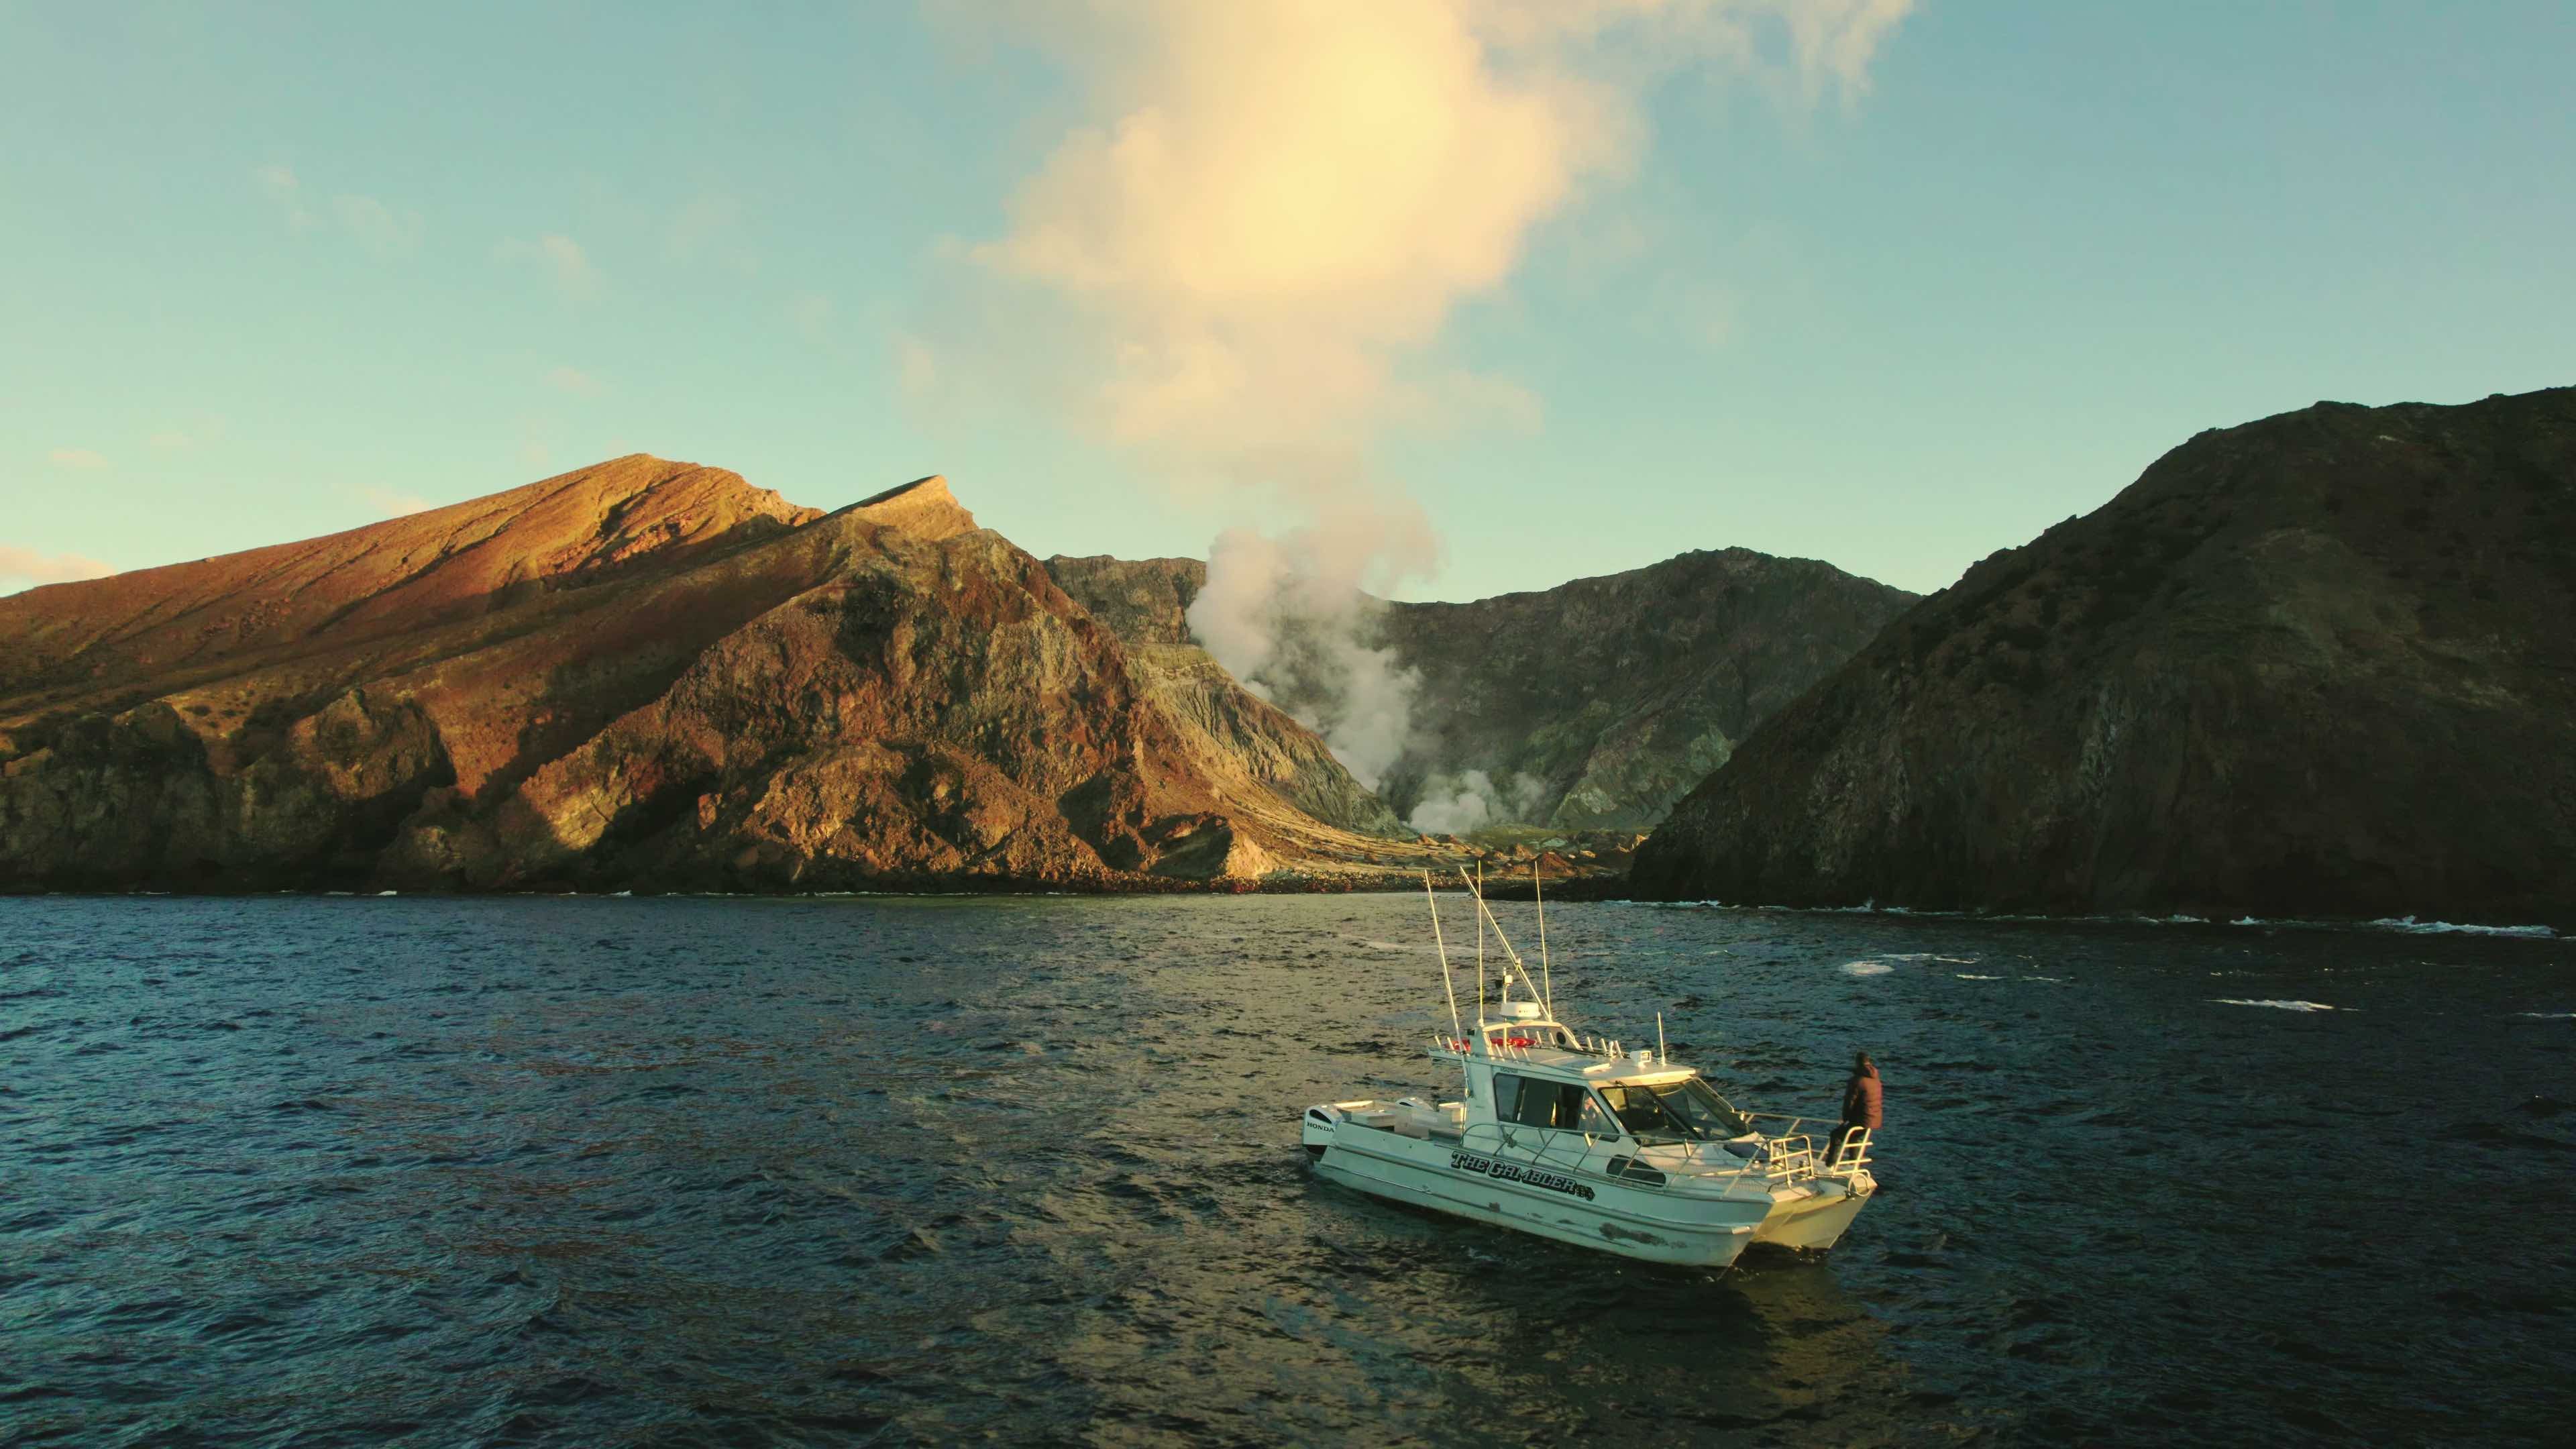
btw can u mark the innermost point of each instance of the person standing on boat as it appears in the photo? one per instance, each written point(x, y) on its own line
point(1861, 1105)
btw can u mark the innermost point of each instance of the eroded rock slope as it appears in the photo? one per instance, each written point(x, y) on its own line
point(1593, 705)
point(640, 674)
point(2323, 664)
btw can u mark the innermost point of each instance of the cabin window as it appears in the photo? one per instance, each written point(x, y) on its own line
point(1596, 1119)
point(1535, 1102)
point(1685, 1110)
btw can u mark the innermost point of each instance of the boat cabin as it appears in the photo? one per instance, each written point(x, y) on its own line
point(1526, 1070)
point(1578, 1139)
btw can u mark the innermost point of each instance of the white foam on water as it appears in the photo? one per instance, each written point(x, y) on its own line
point(2275, 1005)
point(2414, 927)
point(1970, 976)
point(1866, 968)
point(1422, 948)
point(2406, 924)
point(389, 893)
point(2548, 1015)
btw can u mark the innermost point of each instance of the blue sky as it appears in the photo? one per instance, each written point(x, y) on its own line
point(277, 270)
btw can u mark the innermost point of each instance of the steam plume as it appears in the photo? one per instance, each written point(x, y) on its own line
point(1272, 208)
point(1291, 617)
point(1456, 804)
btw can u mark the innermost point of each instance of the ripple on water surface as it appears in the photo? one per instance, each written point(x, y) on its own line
point(891, 1171)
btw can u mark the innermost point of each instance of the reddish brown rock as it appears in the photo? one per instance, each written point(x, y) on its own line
point(643, 674)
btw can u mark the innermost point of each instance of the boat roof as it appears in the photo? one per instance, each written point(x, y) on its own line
point(1565, 1063)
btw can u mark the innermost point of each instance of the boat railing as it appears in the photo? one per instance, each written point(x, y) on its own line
point(1826, 1162)
point(1573, 1152)
point(1791, 1158)
point(1450, 1047)
point(1851, 1157)
point(1787, 1158)
point(1789, 1125)
point(1458, 1048)
point(1555, 1147)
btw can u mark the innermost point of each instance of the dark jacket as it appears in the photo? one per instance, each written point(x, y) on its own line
point(1860, 1099)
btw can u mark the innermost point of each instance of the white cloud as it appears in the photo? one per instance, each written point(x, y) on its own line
point(1236, 264)
point(573, 380)
point(561, 257)
point(376, 226)
point(48, 568)
point(81, 458)
point(392, 503)
point(1464, 401)
point(381, 230)
point(1274, 204)
point(280, 185)
point(1278, 198)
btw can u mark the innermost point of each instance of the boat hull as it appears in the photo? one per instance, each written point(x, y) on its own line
point(1816, 1221)
point(1589, 1212)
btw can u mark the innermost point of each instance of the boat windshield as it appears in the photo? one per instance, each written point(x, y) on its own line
point(1684, 1111)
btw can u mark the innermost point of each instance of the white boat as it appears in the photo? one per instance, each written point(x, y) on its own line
point(1585, 1141)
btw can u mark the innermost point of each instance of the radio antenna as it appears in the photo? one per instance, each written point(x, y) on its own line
point(1547, 977)
point(1466, 1083)
point(1486, 918)
point(1438, 940)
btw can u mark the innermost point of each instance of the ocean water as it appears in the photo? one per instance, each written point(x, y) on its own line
point(295, 1171)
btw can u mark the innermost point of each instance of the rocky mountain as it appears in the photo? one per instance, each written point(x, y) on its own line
point(640, 674)
point(2323, 664)
point(1142, 603)
point(1603, 700)
point(1590, 706)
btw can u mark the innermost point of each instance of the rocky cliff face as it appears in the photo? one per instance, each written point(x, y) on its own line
point(1600, 702)
point(1143, 602)
point(2320, 664)
point(641, 674)
point(1593, 705)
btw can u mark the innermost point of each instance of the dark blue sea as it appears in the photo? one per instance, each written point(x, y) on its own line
point(582, 1171)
